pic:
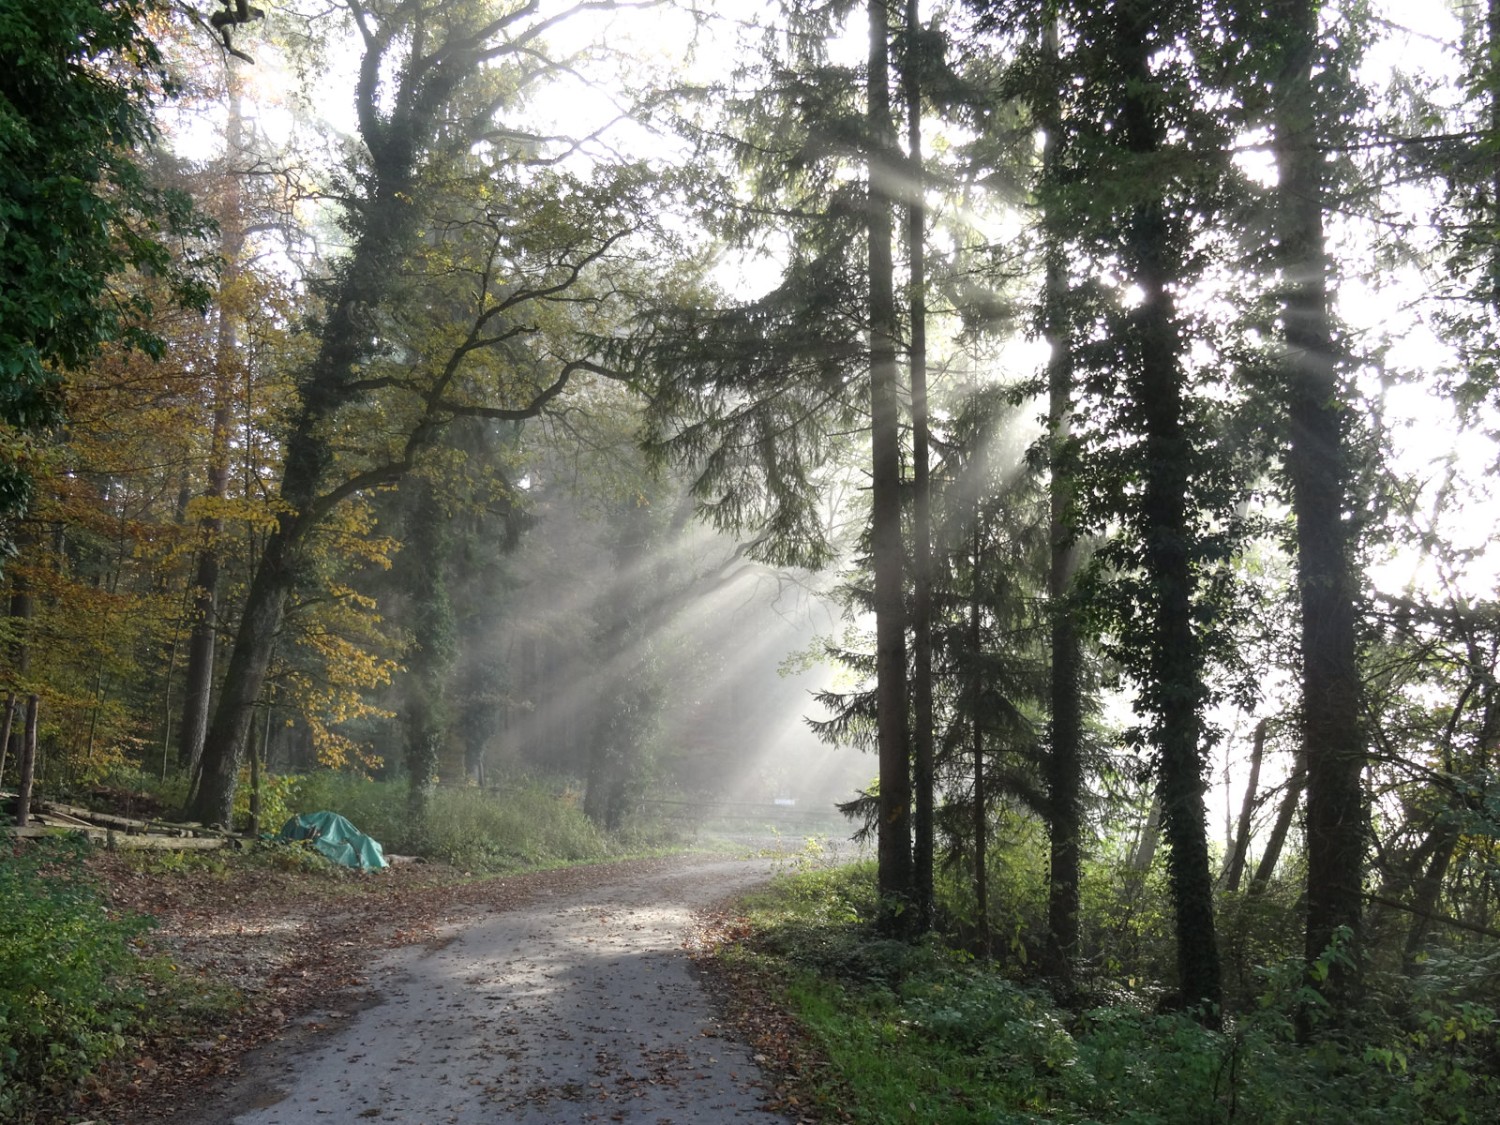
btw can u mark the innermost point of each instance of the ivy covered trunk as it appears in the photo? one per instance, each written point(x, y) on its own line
point(1318, 465)
point(1174, 692)
point(432, 651)
point(386, 222)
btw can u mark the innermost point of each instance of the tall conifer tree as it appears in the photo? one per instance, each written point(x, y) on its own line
point(886, 547)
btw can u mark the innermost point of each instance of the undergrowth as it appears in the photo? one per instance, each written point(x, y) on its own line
point(73, 989)
point(921, 1033)
point(526, 824)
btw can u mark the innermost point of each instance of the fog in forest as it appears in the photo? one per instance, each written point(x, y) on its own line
point(624, 645)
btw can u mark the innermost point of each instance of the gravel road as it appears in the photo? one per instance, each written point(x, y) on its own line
point(577, 1005)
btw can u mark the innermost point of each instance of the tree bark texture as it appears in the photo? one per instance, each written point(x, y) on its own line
point(387, 222)
point(1175, 691)
point(28, 764)
point(923, 749)
point(430, 657)
point(1064, 762)
point(1317, 461)
point(204, 595)
point(894, 846)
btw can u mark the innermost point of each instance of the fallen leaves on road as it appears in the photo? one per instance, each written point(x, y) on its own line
point(756, 1015)
point(288, 943)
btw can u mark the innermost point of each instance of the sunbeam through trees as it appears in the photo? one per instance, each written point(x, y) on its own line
point(1014, 435)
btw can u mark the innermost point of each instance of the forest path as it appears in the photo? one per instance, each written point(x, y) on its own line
point(573, 1006)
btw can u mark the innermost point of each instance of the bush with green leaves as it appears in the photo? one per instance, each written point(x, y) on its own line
point(67, 971)
point(922, 1032)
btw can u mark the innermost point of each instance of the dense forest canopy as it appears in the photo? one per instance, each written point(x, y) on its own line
point(1094, 403)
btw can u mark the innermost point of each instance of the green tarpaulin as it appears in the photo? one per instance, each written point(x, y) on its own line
point(336, 838)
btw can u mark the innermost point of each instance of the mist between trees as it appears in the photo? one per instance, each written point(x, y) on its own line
point(463, 389)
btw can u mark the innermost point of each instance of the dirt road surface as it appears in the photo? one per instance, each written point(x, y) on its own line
point(577, 1005)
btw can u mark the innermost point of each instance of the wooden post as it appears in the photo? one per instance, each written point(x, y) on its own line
point(28, 765)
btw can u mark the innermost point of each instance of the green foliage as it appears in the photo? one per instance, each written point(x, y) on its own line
point(75, 206)
point(278, 798)
point(918, 1033)
point(67, 991)
point(526, 824)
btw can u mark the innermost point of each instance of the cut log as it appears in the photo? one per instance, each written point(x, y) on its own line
point(60, 818)
point(36, 831)
point(106, 820)
point(129, 824)
point(167, 843)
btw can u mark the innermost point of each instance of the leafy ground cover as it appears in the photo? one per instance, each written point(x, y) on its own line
point(173, 966)
point(865, 1029)
point(125, 977)
point(241, 949)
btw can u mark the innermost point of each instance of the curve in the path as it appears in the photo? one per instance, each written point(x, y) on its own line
point(576, 1007)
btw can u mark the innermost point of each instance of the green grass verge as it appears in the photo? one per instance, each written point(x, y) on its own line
point(919, 1033)
point(526, 824)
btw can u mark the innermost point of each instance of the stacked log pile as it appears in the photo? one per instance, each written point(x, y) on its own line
point(47, 818)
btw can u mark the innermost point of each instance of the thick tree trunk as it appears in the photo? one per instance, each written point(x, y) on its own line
point(28, 764)
point(1175, 691)
point(1317, 462)
point(922, 727)
point(429, 660)
point(204, 598)
point(386, 222)
point(894, 848)
point(225, 742)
